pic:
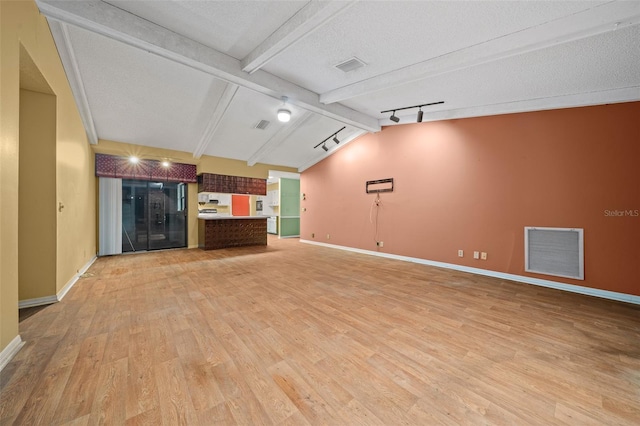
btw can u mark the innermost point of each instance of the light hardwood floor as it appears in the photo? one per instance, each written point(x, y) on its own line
point(295, 334)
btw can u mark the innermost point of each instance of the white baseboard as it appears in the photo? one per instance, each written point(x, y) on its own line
point(62, 293)
point(38, 301)
point(47, 300)
point(605, 294)
point(10, 351)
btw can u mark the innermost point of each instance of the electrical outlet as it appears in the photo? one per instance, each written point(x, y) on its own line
point(328, 236)
point(483, 255)
point(476, 255)
point(380, 243)
point(460, 253)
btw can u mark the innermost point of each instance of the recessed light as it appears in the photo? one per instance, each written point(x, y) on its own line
point(134, 159)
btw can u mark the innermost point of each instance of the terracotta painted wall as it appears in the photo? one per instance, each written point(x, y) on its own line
point(474, 184)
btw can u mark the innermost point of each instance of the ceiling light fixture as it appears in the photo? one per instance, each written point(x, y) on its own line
point(396, 119)
point(335, 139)
point(165, 164)
point(133, 159)
point(284, 114)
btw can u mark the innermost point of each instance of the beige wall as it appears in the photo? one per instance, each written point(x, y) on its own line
point(22, 24)
point(204, 164)
point(37, 196)
point(9, 100)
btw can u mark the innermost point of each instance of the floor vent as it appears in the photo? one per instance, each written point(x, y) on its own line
point(263, 124)
point(350, 64)
point(554, 251)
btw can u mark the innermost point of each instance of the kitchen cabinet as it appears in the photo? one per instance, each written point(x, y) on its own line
point(274, 198)
point(210, 182)
point(218, 232)
point(272, 225)
point(213, 198)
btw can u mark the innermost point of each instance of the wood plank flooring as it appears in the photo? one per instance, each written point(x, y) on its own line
point(294, 334)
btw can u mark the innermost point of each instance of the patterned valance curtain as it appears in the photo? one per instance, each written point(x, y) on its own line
point(120, 167)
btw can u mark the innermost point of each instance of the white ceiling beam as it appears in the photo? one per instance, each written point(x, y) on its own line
point(117, 24)
point(212, 126)
point(312, 16)
point(316, 159)
point(599, 19)
point(67, 55)
point(278, 138)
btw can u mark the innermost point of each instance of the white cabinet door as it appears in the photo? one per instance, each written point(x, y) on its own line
point(224, 199)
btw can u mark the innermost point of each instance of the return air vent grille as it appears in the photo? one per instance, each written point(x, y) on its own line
point(350, 64)
point(263, 124)
point(554, 251)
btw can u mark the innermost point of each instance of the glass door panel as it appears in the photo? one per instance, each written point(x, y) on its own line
point(153, 215)
point(134, 215)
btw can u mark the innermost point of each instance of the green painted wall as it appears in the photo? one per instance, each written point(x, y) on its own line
point(289, 207)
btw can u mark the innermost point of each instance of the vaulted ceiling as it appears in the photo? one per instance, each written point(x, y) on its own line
point(198, 76)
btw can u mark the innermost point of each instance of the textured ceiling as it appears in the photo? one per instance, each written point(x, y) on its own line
point(197, 76)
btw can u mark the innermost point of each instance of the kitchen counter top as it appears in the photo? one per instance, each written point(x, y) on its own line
point(214, 217)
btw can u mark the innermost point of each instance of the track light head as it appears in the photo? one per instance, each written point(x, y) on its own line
point(334, 135)
point(284, 115)
point(396, 119)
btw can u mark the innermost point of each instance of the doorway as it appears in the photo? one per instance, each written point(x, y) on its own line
point(154, 215)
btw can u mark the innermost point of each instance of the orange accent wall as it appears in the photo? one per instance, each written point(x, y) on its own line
point(474, 184)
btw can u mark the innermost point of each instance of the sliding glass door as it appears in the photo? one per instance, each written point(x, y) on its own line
point(154, 215)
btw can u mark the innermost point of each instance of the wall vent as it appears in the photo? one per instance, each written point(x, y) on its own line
point(350, 64)
point(263, 124)
point(554, 251)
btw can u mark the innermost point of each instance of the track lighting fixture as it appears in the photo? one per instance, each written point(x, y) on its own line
point(335, 139)
point(284, 114)
point(396, 119)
